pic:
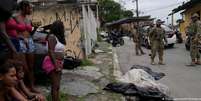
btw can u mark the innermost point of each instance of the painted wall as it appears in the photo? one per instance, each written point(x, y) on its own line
point(71, 19)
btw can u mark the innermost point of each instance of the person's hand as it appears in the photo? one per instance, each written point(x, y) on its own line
point(58, 69)
point(166, 42)
point(40, 97)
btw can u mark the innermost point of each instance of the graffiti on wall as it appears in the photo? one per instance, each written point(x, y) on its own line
point(70, 18)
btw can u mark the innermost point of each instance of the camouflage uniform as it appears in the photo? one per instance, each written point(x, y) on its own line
point(194, 30)
point(149, 31)
point(137, 40)
point(157, 34)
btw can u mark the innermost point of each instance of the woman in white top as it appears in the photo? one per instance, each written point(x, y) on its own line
point(53, 62)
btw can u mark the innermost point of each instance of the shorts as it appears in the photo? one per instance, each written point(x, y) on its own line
point(26, 45)
point(48, 66)
point(16, 43)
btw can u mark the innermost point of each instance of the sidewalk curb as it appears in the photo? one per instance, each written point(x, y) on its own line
point(117, 70)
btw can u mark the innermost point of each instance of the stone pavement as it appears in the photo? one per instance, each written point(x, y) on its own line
point(183, 81)
point(86, 83)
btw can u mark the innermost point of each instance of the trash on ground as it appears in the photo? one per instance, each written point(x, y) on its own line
point(141, 82)
point(156, 75)
point(129, 89)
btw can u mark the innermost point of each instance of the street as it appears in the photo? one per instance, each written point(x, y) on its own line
point(183, 81)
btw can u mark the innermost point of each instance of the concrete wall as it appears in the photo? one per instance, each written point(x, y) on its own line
point(71, 19)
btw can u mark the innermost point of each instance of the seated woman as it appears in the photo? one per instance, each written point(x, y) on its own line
point(21, 92)
point(7, 79)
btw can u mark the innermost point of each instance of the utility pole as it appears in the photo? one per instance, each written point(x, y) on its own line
point(137, 10)
point(137, 14)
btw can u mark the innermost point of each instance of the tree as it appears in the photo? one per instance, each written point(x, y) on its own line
point(127, 13)
point(110, 10)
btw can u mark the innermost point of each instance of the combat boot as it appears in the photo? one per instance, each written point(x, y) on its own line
point(198, 62)
point(137, 53)
point(161, 63)
point(193, 63)
point(152, 62)
point(143, 53)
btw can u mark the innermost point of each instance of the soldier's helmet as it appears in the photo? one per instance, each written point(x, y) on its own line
point(159, 21)
point(195, 15)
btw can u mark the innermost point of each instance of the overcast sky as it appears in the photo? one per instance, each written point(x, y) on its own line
point(155, 8)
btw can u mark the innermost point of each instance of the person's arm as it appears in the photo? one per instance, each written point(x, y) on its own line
point(31, 94)
point(12, 24)
point(151, 32)
point(25, 89)
point(6, 37)
point(51, 46)
point(34, 30)
point(15, 94)
point(199, 27)
point(165, 39)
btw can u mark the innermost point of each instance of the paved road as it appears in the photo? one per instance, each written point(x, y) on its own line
point(183, 81)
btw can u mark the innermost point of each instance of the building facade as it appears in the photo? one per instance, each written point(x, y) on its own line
point(188, 9)
point(71, 14)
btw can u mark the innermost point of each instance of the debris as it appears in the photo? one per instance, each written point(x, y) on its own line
point(156, 75)
point(141, 82)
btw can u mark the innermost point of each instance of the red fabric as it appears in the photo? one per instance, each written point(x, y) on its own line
point(48, 66)
point(12, 27)
point(28, 27)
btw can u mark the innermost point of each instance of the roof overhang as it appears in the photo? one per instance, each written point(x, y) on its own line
point(185, 6)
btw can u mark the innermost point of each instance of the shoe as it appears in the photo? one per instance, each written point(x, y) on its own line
point(137, 54)
point(143, 53)
point(198, 63)
point(153, 63)
point(161, 63)
point(192, 64)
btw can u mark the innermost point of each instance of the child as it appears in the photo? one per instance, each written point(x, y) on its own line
point(7, 79)
point(21, 90)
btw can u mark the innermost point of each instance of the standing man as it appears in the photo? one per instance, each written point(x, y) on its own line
point(157, 37)
point(194, 32)
point(137, 38)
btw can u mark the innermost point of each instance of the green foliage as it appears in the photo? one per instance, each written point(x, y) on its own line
point(110, 11)
point(86, 62)
point(99, 39)
point(127, 13)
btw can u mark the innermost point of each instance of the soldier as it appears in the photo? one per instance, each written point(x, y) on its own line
point(194, 30)
point(157, 35)
point(137, 40)
point(148, 35)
